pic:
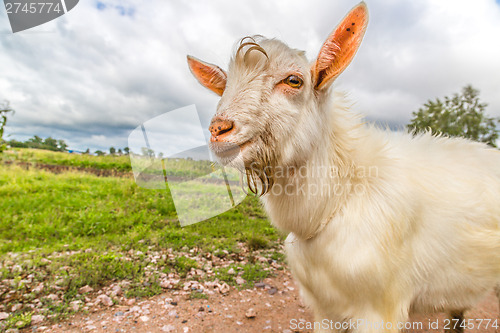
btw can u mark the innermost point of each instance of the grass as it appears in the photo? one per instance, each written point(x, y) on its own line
point(18, 321)
point(73, 229)
point(107, 162)
point(72, 210)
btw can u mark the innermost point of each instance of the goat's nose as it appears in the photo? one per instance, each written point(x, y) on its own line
point(219, 127)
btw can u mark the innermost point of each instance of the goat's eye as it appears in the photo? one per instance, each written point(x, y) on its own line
point(294, 81)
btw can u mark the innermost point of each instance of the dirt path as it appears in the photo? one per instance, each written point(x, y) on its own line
point(275, 303)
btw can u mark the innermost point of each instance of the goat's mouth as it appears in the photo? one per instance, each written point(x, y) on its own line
point(227, 151)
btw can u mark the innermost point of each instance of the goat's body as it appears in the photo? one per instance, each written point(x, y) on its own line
point(381, 224)
point(420, 233)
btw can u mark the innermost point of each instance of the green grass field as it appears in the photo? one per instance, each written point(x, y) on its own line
point(73, 228)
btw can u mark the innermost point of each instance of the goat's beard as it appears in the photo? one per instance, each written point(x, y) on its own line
point(259, 169)
point(257, 163)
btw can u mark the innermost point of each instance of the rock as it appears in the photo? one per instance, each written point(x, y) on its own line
point(287, 331)
point(250, 313)
point(37, 319)
point(240, 281)
point(119, 313)
point(135, 308)
point(75, 305)
point(4, 315)
point(173, 303)
point(260, 285)
point(90, 328)
point(223, 288)
point(185, 329)
point(85, 289)
point(16, 307)
point(38, 289)
point(201, 308)
point(105, 300)
point(116, 291)
point(172, 313)
point(53, 297)
point(231, 271)
point(272, 291)
point(130, 301)
point(144, 318)
point(168, 328)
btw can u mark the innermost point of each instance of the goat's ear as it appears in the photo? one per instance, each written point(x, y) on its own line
point(210, 76)
point(340, 47)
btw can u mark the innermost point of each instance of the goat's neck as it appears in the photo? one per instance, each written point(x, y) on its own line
point(304, 201)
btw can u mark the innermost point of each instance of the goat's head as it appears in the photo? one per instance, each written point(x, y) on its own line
point(271, 96)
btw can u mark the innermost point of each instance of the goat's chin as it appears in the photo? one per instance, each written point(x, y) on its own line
point(230, 154)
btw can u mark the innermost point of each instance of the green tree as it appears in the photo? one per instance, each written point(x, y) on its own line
point(99, 152)
point(4, 110)
point(112, 150)
point(51, 143)
point(126, 150)
point(461, 115)
point(61, 145)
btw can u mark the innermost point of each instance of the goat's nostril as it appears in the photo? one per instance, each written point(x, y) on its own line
point(220, 127)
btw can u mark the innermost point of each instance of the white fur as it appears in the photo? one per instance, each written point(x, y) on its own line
point(404, 224)
point(421, 234)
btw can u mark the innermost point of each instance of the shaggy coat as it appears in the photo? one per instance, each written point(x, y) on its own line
point(380, 224)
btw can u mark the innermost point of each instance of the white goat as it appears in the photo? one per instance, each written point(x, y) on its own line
point(380, 224)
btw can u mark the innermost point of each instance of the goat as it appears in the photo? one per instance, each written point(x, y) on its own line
point(380, 224)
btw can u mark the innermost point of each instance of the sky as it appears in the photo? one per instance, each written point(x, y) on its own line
point(94, 74)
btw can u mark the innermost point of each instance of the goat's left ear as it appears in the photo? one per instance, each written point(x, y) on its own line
point(340, 47)
point(210, 76)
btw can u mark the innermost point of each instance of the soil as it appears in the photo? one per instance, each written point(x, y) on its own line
point(275, 304)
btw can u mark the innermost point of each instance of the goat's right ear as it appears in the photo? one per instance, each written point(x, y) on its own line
point(210, 76)
point(340, 47)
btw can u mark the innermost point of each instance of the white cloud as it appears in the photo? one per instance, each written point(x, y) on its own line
point(93, 75)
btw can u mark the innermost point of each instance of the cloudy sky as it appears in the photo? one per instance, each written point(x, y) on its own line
point(93, 75)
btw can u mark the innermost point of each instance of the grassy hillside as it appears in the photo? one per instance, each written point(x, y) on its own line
point(71, 229)
point(118, 163)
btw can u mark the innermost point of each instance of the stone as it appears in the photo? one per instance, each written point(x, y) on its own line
point(4, 315)
point(168, 328)
point(250, 313)
point(105, 300)
point(85, 289)
point(130, 301)
point(224, 288)
point(116, 291)
point(75, 305)
point(16, 307)
point(38, 289)
point(37, 319)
